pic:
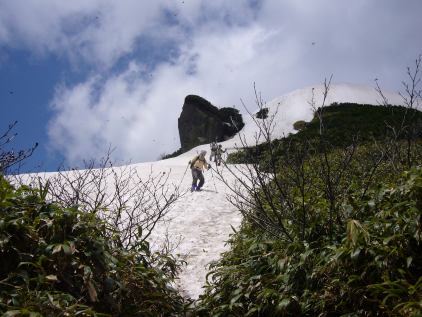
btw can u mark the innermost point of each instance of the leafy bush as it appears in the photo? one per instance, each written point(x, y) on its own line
point(344, 123)
point(299, 125)
point(375, 269)
point(171, 155)
point(331, 226)
point(262, 113)
point(59, 262)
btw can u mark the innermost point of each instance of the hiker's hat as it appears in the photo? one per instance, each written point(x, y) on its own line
point(203, 152)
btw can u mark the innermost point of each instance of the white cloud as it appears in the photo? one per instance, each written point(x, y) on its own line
point(139, 117)
point(223, 48)
point(102, 31)
point(95, 31)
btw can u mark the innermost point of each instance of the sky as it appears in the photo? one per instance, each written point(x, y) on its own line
point(85, 76)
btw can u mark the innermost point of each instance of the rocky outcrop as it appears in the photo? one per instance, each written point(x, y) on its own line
point(200, 122)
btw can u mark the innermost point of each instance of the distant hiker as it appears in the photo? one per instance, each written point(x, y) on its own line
point(197, 165)
point(219, 154)
point(214, 148)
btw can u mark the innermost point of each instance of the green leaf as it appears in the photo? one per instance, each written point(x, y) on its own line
point(283, 304)
point(12, 313)
point(66, 249)
point(92, 292)
point(56, 248)
point(234, 299)
point(388, 239)
point(355, 253)
point(51, 277)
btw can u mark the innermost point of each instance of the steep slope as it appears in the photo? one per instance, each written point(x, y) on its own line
point(203, 220)
point(199, 223)
point(295, 106)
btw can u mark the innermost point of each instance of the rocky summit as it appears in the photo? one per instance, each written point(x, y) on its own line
point(200, 122)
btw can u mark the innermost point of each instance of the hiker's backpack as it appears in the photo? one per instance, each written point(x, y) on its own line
point(214, 146)
point(192, 163)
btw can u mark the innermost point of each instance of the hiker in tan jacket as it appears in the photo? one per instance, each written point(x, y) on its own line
point(197, 165)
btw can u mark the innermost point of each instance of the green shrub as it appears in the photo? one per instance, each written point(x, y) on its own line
point(344, 124)
point(299, 125)
point(344, 121)
point(58, 261)
point(375, 269)
point(262, 113)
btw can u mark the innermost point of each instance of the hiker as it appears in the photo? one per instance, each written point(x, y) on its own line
point(197, 165)
point(219, 154)
point(214, 148)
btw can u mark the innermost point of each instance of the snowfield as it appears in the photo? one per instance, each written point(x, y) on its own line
point(199, 223)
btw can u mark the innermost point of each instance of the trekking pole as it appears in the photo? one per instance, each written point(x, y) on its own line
point(183, 176)
point(212, 175)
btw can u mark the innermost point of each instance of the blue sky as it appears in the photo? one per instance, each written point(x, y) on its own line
point(82, 76)
point(28, 83)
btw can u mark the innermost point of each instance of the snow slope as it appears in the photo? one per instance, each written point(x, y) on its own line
point(199, 223)
point(202, 221)
point(296, 106)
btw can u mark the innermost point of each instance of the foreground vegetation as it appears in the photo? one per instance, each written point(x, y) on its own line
point(373, 268)
point(330, 229)
point(60, 261)
point(332, 226)
point(332, 221)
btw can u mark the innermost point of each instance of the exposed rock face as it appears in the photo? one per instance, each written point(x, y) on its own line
point(200, 122)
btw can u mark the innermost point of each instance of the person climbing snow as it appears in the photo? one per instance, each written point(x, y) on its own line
point(214, 148)
point(219, 154)
point(197, 165)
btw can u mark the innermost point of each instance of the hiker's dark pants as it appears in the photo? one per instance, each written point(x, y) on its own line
point(212, 156)
point(197, 174)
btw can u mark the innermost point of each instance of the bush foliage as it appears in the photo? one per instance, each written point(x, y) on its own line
point(373, 270)
point(344, 124)
point(333, 227)
point(58, 261)
point(345, 121)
